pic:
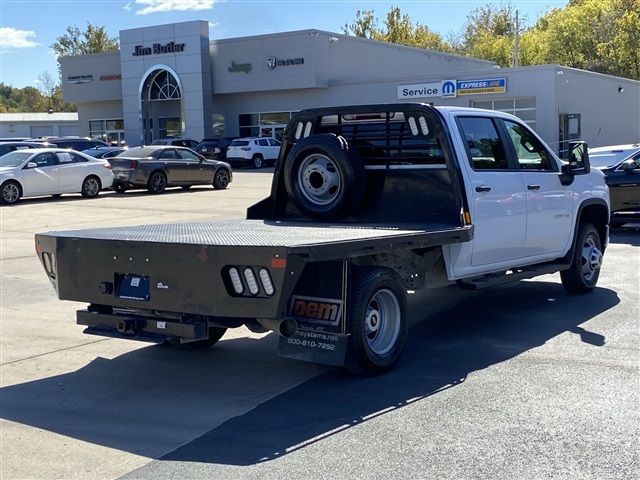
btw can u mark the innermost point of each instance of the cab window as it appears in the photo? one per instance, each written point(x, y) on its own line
point(529, 151)
point(482, 141)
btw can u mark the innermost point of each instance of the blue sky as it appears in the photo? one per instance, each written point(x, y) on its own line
point(29, 27)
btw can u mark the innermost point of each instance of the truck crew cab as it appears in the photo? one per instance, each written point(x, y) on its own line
point(367, 202)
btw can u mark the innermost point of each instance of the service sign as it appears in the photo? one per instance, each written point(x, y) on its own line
point(445, 88)
point(480, 87)
point(420, 90)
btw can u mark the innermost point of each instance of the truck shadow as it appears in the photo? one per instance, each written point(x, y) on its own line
point(123, 402)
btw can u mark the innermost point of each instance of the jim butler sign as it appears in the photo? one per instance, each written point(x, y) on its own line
point(158, 49)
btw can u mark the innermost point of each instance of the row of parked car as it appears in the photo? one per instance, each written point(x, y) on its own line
point(55, 167)
point(30, 168)
point(256, 152)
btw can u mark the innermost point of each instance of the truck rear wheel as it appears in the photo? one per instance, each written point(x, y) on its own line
point(215, 334)
point(324, 177)
point(378, 322)
point(583, 274)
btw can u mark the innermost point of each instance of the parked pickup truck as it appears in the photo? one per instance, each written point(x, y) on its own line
point(367, 203)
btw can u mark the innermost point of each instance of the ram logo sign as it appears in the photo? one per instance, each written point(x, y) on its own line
point(325, 311)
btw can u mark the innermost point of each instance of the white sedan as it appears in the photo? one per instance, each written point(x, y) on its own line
point(51, 171)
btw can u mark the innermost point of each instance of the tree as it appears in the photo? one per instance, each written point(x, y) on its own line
point(47, 87)
point(398, 29)
point(94, 39)
point(489, 33)
point(364, 25)
point(597, 35)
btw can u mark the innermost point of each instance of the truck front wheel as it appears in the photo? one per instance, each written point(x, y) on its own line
point(378, 321)
point(583, 274)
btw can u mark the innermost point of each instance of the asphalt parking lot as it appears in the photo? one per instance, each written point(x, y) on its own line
point(522, 381)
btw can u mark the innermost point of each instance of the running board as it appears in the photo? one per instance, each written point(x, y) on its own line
point(494, 280)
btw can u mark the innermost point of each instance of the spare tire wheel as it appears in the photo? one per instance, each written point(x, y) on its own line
point(323, 177)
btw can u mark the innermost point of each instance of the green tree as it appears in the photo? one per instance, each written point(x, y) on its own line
point(397, 28)
point(94, 39)
point(365, 25)
point(597, 35)
point(489, 33)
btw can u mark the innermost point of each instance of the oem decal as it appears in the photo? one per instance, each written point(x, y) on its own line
point(325, 311)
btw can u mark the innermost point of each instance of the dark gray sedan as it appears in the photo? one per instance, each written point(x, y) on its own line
point(157, 167)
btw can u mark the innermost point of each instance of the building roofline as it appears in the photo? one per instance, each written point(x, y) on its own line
point(314, 31)
point(92, 55)
point(578, 71)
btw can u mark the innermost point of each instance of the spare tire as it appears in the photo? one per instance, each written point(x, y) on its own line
point(324, 178)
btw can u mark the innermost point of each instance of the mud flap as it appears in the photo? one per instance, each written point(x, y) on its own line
point(313, 346)
point(318, 306)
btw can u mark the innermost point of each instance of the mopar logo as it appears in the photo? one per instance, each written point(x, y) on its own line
point(316, 310)
point(448, 88)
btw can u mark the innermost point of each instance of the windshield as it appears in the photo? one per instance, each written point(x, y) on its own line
point(13, 159)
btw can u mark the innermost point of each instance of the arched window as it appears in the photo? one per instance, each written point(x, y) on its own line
point(164, 86)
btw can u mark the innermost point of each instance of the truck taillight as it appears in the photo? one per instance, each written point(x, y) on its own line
point(250, 277)
point(235, 281)
point(265, 279)
point(49, 263)
point(249, 281)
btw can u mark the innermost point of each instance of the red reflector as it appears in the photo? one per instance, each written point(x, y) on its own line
point(38, 248)
point(278, 263)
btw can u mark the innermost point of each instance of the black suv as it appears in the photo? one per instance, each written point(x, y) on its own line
point(77, 143)
point(215, 148)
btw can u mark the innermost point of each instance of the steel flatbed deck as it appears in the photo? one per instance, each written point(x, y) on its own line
point(312, 241)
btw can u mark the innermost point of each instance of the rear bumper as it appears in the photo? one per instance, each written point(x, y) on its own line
point(139, 328)
point(128, 178)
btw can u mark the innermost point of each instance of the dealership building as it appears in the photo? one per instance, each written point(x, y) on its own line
point(171, 80)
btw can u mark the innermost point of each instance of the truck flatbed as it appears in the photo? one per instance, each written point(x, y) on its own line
point(92, 263)
point(313, 240)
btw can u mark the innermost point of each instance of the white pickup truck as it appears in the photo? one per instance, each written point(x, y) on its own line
point(367, 203)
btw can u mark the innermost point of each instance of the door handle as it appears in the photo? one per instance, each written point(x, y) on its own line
point(533, 187)
point(483, 188)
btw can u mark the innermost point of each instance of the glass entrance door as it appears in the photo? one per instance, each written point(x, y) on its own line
point(116, 138)
point(273, 131)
